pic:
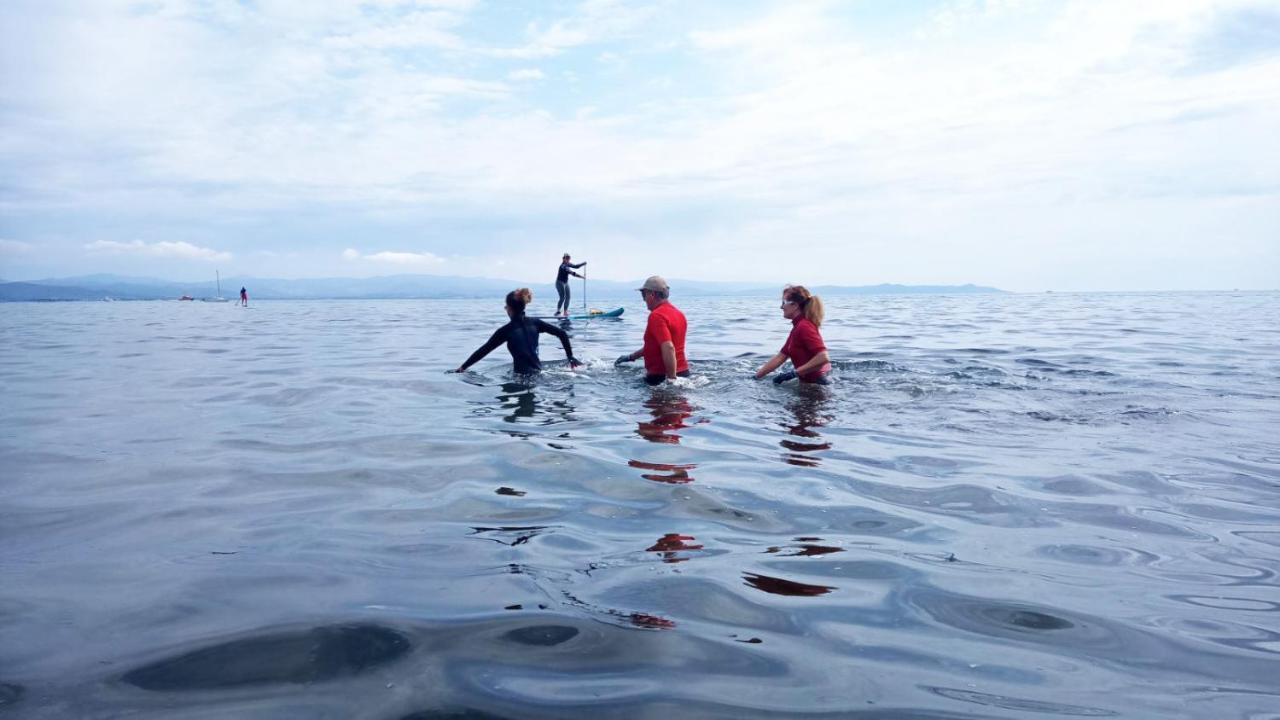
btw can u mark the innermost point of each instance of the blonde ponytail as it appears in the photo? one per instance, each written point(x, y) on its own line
point(809, 303)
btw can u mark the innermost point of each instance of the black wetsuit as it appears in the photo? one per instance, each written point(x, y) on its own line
point(562, 284)
point(521, 337)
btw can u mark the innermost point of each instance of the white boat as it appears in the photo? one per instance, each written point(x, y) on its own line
point(218, 297)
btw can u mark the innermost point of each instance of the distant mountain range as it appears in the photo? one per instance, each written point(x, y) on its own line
point(115, 287)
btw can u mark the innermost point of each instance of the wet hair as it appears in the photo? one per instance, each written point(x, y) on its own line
point(810, 304)
point(518, 298)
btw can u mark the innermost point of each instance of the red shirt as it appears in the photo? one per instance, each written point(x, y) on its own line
point(666, 323)
point(802, 344)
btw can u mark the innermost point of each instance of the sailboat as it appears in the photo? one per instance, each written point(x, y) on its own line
point(218, 297)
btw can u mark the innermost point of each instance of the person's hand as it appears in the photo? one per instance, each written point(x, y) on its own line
point(574, 362)
point(783, 377)
point(623, 359)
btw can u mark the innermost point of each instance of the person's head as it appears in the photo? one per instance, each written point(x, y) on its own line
point(566, 257)
point(655, 291)
point(517, 300)
point(798, 301)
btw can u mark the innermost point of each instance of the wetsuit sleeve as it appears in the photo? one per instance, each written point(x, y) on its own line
point(546, 327)
point(499, 337)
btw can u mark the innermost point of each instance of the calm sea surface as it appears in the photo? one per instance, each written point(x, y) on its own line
point(1008, 506)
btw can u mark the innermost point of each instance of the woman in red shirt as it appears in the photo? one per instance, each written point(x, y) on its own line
point(804, 347)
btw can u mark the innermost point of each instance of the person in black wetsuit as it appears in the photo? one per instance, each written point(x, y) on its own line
point(521, 337)
point(562, 282)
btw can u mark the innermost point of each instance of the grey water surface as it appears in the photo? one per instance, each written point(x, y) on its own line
point(1008, 506)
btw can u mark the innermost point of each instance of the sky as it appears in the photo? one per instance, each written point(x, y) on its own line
point(1024, 144)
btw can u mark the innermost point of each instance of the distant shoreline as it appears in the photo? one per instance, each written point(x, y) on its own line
point(411, 287)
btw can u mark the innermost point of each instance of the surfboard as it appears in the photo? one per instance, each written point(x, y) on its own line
point(589, 315)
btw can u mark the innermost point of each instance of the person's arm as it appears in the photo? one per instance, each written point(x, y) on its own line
point(581, 264)
point(814, 363)
point(772, 364)
point(546, 327)
point(629, 357)
point(499, 337)
point(669, 358)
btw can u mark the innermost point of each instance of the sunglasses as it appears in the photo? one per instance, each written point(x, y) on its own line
point(785, 303)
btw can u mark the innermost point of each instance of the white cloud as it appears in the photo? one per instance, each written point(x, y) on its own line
point(163, 249)
point(526, 74)
point(721, 127)
point(14, 247)
point(411, 259)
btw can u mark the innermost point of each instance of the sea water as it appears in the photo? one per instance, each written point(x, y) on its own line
point(1007, 506)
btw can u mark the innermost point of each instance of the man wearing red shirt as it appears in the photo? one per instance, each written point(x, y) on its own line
point(663, 350)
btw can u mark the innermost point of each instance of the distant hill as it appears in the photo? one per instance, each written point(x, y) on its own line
point(96, 287)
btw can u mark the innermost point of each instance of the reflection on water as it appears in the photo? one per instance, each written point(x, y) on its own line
point(1004, 500)
point(672, 545)
point(669, 411)
point(779, 586)
point(315, 655)
point(809, 409)
point(674, 473)
point(807, 548)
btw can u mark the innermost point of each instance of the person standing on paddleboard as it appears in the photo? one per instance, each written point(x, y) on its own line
point(244, 296)
point(521, 336)
point(804, 347)
point(562, 281)
point(663, 350)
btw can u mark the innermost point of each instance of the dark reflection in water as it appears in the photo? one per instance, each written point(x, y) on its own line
point(671, 544)
point(9, 693)
point(542, 635)
point(467, 714)
point(314, 655)
point(676, 474)
point(810, 410)
point(778, 586)
point(1013, 703)
point(520, 400)
point(513, 535)
point(807, 548)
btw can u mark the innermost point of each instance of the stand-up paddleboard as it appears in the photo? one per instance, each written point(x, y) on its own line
point(584, 315)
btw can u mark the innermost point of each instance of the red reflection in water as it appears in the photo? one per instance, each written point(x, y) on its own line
point(652, 622)
point(677, 474)
point(669, 415)
point(778, 586)
point(670, 545)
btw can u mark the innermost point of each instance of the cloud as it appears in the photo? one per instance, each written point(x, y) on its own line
point(14, 247)
point(411, 259)
point(163, 249)
point(592, 22)
point(692, 128)
point(526, 74)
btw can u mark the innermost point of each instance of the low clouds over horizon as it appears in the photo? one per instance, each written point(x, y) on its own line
point(1023, 144)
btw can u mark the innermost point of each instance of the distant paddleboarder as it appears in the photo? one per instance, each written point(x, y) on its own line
point(521, 336)
point(244, 297)
point(562, 281)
